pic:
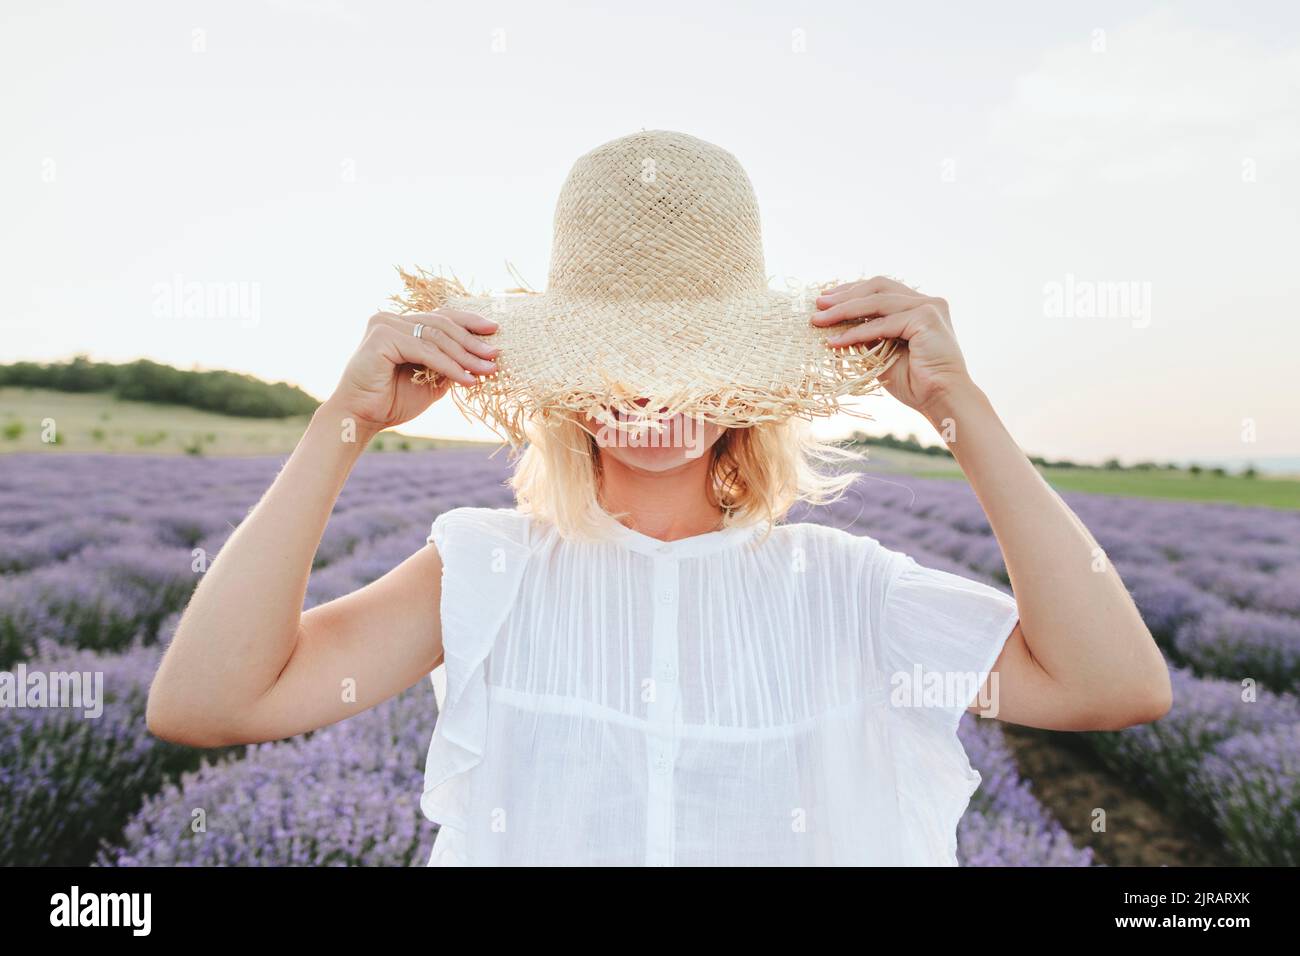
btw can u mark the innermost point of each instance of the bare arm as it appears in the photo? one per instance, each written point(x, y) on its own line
point(1081, 657)
point(246, 664)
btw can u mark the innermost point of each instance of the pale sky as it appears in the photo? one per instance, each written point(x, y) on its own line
point(1015, 158)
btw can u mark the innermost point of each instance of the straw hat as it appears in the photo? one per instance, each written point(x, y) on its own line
point(657, 290)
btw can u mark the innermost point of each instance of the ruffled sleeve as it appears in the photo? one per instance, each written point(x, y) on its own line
point(939, 636)
point(484, 552)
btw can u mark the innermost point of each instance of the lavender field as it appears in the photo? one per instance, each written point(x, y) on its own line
point(98, 554)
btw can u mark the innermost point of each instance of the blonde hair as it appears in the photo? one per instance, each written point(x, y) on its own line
point(756, 474)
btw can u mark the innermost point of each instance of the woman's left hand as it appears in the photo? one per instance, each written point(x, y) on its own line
point(929, 363)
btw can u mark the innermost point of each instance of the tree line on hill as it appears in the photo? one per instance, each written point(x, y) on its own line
point(227, 393)
point(913, 444)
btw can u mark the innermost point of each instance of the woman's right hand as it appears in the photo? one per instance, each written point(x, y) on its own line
point(246, 663)
point(377, 387)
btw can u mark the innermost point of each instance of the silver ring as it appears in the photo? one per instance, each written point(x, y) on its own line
point(418, 331)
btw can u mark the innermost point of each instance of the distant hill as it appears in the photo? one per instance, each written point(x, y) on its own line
point(100, 422)
point(226, 393)
point(1179, 484)
point(943, 461)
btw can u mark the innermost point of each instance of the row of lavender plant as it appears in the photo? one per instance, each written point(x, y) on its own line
point(69, 778)
point(70, 781)
point(1225, 757)
point(96, 551)
point(1006, 825)
point(95, 589)
point(345, 796)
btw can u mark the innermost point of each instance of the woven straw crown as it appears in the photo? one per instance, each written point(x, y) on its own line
point(657, 217)
point(657, 290)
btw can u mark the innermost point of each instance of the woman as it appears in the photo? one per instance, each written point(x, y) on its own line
point(634, 673)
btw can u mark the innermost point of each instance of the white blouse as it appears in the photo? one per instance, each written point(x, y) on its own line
point(717, 700)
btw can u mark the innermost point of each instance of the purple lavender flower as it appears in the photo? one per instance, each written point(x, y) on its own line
point(1164, 756)
point(68, 780)
point(1166, 602)
point(1252, 785)
point(1006, 825)
point(1253, 644)
point(347, 795)
point(1273, 590)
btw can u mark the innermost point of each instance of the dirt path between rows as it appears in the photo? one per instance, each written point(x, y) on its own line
point(1071, 782)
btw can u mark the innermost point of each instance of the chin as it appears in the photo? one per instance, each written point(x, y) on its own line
point(652, 459)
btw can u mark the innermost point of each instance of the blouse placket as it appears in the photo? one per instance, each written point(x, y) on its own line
point(663, 710)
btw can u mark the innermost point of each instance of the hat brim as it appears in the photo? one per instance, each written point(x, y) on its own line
point(738, 362)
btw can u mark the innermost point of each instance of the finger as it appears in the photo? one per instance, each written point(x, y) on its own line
point(459, 324)
point(403, 348)
point(456, 341)
point(870, 331)
point(877, 303)
point(899, 325)
point(476, 322)
point(865, 287)
point(442, 334)
point(419, 352)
